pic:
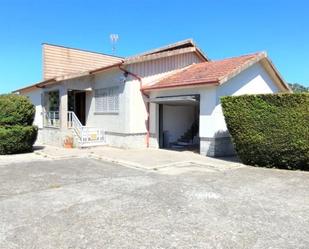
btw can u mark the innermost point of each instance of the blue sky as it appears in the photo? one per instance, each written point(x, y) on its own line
point(221, 28)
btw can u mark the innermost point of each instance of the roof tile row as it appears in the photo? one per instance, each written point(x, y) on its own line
point(203, 73)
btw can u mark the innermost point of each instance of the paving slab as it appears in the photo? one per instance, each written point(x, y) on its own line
point(159, 158)
point(148, 159)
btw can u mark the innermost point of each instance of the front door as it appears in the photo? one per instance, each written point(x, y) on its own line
point(80, 106)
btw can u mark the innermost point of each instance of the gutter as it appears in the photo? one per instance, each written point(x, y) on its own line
point(37, 85)
point(146, 95)
point(209, 83)
point(45, 83)
point(51, 81)
point(106, 67)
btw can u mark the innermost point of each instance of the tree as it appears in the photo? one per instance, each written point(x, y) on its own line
point(298, 88)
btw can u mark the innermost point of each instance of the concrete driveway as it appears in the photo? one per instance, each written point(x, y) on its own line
point(86, 203)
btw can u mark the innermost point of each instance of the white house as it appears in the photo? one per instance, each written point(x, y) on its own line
point(164, 98)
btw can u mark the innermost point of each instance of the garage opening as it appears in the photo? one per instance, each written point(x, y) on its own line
point(179, 122)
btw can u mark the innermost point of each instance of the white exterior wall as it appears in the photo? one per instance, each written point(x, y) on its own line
point(254, 80)
point(35, 98)
point(177, 120)
point(112, 122)
point(137, 108)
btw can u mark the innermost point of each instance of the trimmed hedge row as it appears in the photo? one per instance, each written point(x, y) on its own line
point(17, 134)
point(269, 130)
point(16, 110)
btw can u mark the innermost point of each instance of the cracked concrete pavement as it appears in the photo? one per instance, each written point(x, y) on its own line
point(88, 203)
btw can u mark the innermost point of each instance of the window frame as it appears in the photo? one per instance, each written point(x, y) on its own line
point(110, 98)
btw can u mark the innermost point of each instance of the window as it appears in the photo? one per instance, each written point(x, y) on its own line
point(107, 100)
point(52, 101)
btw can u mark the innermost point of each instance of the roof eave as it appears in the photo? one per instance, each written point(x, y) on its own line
point(201, 54)
point(279, 76)
point(259, 58)
point(36, 85)
point(242, 68)
point(98, 70)
point(208, 83)
point(58, 79)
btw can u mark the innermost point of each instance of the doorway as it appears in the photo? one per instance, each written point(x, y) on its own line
point(178, 124)
point(77, 104)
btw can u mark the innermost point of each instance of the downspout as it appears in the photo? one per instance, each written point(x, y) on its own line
point(147, 105)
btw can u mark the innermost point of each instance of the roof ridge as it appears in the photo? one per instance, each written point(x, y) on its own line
point(188, 43)
point(240, 56)
point(171, 45)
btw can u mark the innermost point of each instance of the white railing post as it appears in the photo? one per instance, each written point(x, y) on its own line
point(69, 119)
point(51, 119)
point(85, 134)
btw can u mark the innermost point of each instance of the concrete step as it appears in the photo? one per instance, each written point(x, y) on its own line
point(180, 144)
point(177, 146)
point(184, 143)
point(91, 144)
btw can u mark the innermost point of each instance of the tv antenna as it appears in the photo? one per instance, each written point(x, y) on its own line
point(114, 38)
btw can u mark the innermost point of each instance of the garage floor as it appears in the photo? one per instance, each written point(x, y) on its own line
point(85, 203)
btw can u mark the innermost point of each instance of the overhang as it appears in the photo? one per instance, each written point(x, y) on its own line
point(176, 100)
point(59, 79)
point(169, 50)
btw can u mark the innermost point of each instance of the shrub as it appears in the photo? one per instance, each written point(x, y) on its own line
point(16, 117)
point(270, 130)
point(16, 110)
point(17, 139)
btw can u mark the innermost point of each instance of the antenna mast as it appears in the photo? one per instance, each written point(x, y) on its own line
point(114, 38)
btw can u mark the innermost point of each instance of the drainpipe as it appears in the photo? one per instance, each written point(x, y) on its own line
point(147, 105)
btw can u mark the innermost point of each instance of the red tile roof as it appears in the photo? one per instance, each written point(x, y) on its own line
point(205, 73)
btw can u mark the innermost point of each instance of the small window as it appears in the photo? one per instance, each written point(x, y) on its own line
point(52, 101)
point(107, 100)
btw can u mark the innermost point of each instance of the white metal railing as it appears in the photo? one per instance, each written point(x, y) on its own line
point(73, 122)
point(86, 135)
point(51, 119)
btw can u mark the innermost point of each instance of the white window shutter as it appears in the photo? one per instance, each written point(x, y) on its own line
point(107, 100)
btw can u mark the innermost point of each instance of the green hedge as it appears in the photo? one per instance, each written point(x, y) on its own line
point(17, 139)
point(16, 110)
point(16, 117)
point(269, 130)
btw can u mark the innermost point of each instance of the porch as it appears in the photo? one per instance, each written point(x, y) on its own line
point(65, 115)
